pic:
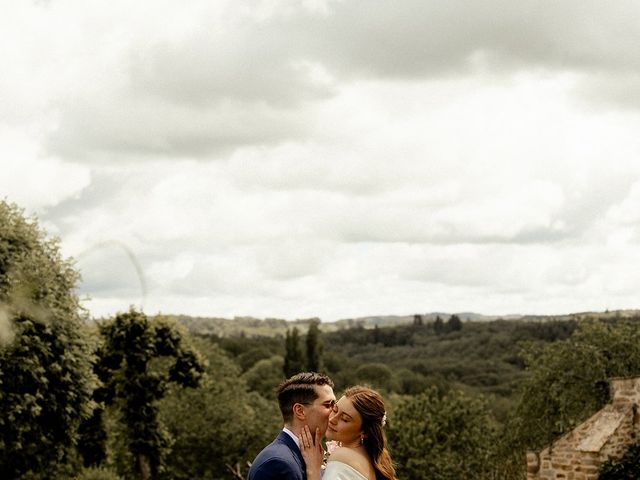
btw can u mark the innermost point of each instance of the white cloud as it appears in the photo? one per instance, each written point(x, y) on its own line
point(111, 80)
point(331, 158)
point(33, 180)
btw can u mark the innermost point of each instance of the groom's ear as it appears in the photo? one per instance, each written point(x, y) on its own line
point(298, 411)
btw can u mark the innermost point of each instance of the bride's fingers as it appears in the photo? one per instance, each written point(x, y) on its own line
point(309, 436)
point(303, 440)
point(306, 437)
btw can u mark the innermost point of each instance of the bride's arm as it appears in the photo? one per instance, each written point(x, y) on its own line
point(312, 452)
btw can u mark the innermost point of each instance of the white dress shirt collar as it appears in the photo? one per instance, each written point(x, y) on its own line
point(292, 435)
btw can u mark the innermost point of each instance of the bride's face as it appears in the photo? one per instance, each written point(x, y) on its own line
point(345, 423)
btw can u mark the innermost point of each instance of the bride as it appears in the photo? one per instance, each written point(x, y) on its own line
point(355, 425)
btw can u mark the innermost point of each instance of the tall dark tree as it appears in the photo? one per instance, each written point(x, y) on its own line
point(131, 342)
point(438, 326)
point(376, 334)
point(314, 347)
point(293, 359)
point(454, 324)
point(46, 378)
point(418, 321)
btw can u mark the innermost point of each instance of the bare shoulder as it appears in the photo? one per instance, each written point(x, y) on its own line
point(343, 454)
point(353, 458)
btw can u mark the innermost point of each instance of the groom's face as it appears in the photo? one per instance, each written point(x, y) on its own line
point(317, 414)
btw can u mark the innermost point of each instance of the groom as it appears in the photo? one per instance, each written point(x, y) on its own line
point(305, 399)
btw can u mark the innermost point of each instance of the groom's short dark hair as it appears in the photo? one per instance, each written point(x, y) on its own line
point(299, 389)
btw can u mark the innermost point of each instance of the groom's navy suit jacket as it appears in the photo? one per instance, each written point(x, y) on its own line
point(281, 459)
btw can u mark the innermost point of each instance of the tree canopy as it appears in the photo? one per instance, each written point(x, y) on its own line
point(440, 435)
point(554, 397)
point(294, 357)
point(231, 426)
point(131, 367)
point(46, 378)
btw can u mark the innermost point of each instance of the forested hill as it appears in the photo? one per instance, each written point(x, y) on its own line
point(478, 356)
point(251, 326)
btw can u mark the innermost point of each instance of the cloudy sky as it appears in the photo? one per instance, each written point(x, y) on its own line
point(331, 158)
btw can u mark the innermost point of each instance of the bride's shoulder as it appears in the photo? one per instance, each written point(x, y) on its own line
point(351, 458)
point(343, 454)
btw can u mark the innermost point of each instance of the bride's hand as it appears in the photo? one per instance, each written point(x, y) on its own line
point(312, 452)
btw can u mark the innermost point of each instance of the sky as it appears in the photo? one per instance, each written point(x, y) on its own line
point(329, 158)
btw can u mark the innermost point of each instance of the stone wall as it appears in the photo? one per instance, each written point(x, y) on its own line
point(579, 454)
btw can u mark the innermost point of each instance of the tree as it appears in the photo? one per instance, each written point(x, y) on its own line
point(438, 326)
point(265, 376)
point(376, 334)
point(231, 425)
point(135, 378)
point(249, 358)
point(378, 375)
point(314, 347)
point(441, 436)
point(454, 324)
point(568, 380)
point(411, 383)
point(293, 359)
point(626, 467)
point(417, 320)
point(46, 378)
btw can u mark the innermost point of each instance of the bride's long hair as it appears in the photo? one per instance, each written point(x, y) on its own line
point(370, 405)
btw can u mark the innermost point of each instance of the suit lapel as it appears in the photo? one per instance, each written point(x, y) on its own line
point(288, 441)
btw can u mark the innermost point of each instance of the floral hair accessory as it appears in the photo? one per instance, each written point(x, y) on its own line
point(384, 419)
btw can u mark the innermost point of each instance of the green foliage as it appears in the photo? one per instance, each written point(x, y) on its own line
point(45, 356)
point(453, 324)
point(93, 447)
point(554, 397)
point(220, 426)
point(293, 358)
point(96, 473)
point(377, 375)
point(441, 436)
point(483, 356)
point(248, 359)
point(314, 348)
point(240, 345)
point(411, 383)
point(438, 326)
point(265, 376)
point(134, 379)
point(627, 467)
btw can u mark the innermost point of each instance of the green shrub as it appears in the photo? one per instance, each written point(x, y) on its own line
point(627, 467)
point(98, 474)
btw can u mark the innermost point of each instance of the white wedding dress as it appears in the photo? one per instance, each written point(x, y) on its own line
point(341, 471)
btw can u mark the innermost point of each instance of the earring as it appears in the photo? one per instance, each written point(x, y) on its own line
point(361, 439)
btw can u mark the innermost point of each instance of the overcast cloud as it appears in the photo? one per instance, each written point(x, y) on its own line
point(297, 158)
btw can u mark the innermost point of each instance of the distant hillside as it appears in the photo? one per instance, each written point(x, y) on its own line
point(249, 326)
point(395, 320)
point(270, 327)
